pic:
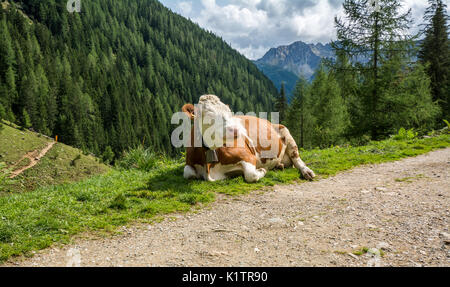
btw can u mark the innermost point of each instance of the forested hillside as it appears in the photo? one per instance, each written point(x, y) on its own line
point(111, 76)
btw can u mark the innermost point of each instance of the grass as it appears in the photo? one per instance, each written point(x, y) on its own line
point(35, 220)
point(409, 179)
point(361, 251)
point(62, 164)
point(14, 144)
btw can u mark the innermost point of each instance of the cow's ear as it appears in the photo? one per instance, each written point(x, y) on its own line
point(189, 110)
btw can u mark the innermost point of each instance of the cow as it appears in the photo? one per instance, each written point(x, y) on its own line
point(256, 146)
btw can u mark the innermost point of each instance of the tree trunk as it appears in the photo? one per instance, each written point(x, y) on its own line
point(374, 130)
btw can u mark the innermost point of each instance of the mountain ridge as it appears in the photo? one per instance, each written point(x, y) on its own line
point(287, 63)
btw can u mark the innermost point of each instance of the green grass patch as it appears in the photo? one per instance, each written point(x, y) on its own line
point(361, 251)
point(409, 179)
point(14, 144)
point(35, 220)
point(62, 164)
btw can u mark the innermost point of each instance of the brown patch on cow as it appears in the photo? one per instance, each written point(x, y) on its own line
point(189, 110)
point(280, 146)
point(195, 155)
point(225, 155)
point(234, 155)
point(278, 127)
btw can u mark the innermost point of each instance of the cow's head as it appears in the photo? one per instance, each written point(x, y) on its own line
point(215, 121)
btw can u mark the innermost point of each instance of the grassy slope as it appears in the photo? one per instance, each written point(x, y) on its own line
point(14, 144)
point(56, 167)
point(35, 220)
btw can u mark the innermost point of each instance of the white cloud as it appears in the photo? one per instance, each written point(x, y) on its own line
point(185, 7)
point(254, 26)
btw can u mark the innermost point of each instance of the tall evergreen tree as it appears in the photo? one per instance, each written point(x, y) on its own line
point(435, 52)
point(374, 33)
point(327, 111)
point(297, 114)
point(281, 104)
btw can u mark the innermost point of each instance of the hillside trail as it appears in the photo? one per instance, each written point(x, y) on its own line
point(34, 157)
point(390, 214)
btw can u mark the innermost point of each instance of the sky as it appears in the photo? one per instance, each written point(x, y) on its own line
point(254, 26)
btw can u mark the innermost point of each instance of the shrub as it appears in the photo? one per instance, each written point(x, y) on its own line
point(404, 134)
point(139, 158)
point(447, 128)
point(108, 155)
point(119, 203)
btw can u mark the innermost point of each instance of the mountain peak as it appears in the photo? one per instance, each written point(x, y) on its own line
point(300, 58)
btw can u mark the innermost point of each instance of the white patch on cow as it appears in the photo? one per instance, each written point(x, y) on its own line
point(217, 124)
point(269, 164)
point(189, 172)
point(251, 174)
point(210, 105)
point(221, 172)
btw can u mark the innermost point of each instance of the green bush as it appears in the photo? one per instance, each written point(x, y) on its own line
point(404, 134)
point(447, 128)
point(139, 158)
point(119, 203)
point(108, 155)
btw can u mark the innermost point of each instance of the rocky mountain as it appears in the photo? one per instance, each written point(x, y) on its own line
point(299, 58)
point(288, 63)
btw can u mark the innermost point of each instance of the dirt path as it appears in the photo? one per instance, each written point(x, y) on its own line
point(34, 157)
point(401, 209)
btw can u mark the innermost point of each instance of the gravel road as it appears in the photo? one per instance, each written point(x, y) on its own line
point(398, 213)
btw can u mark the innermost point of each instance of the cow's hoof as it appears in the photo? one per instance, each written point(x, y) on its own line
point(263, 171)
point(308, 174)
point(280, 167)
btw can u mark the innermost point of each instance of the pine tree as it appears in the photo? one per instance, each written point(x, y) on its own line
point(297, 114)
point(368, 32)
point(108, 155)
point(2, 113)
point(7, 70)
point(328, 114)
point(435, 52)
point(25, 121)
point(281, 105)
point(407, 99)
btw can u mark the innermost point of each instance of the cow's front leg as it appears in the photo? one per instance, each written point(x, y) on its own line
point(251, 174)
point(190, 172)
point(306, 171)
point(208, 173)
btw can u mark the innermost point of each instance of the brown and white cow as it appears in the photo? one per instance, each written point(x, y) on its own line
point(256, 146)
